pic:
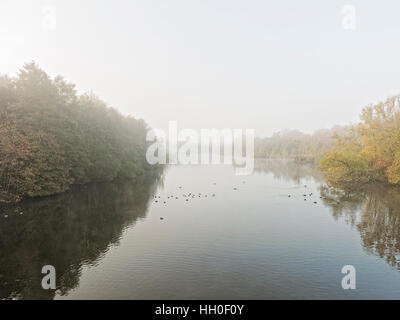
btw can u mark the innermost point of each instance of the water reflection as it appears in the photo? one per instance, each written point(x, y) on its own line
point(66, 231)
point(206, 253)
point(375, 212)
point(288, 170)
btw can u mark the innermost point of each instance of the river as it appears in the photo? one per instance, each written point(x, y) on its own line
point(279, 233)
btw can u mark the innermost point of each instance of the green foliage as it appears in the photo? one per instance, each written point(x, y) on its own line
point(52, 138)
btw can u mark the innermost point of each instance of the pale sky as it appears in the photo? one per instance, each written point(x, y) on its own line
point(264, 65)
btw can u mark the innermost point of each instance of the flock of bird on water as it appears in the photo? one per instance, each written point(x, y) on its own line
point(190, 195)
point(187, 196)
point(16, 211)
point(305, 196)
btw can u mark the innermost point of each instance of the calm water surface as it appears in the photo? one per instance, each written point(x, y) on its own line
point(255, 242)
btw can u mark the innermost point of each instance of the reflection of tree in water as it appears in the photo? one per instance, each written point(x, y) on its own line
point(288, 170)
point(375, 212)
point(343, 204)
point(66, 231)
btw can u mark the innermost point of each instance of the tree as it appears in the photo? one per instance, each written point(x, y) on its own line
point(371, 152)
point(51, 138)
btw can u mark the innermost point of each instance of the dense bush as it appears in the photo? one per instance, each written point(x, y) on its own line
point(371, 152)
point(52, 138)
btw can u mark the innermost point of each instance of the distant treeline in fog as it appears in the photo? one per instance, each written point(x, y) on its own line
point(348, 156)
point(370, 151)
point(293, 144)
point(51, 138)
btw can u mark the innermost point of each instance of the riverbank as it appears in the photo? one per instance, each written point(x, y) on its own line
point(51, 138)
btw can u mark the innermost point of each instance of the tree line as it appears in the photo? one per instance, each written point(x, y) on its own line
point(350, 155)
point(52, 138)
point(296, 145)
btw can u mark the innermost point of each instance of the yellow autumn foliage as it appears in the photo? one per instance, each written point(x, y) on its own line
point(371, 152)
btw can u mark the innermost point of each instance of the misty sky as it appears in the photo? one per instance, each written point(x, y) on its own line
point(266, 65)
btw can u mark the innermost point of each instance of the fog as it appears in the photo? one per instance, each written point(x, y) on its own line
point(264, 65)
